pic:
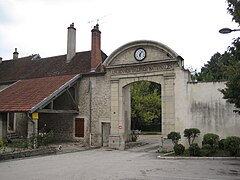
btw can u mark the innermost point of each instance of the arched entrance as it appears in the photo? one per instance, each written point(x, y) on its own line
point(145, 107)
point(140, 61)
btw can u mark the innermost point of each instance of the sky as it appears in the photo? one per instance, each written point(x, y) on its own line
point(189, 27)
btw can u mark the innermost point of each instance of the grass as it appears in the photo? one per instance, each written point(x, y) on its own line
point(150, 133)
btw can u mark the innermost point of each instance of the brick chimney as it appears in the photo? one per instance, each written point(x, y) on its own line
point(15, 54)
point(96, 58)
point(71, 42)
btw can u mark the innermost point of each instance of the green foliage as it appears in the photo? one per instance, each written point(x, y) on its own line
point(145, 102)
point(234, 10)
point(206, 150)
point(191, 134)
point(174, 136)
point(226, 66)
point(45, 138)
point(221, 144)
point(213, 70)
point(179, 149)
point(194, 150)
point(232, 145)
point(1, 144)
point(42, 139)
point(22, 143)
point(135, 134)
point(212, 140)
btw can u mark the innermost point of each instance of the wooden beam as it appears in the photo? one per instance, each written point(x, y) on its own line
point(58, 111)
point(73, 100)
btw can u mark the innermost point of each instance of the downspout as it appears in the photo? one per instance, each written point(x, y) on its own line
point(90, 112)
point(34, 130)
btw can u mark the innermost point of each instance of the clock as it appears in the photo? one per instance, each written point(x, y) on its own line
point(140, 54)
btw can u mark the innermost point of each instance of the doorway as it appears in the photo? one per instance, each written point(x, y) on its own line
point(79, 127)
point(105, 133)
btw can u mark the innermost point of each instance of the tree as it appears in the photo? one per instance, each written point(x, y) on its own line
point(174, 136)
point(191, 134)
point(213, 70)
point(231, 92)
point(226, 66)
point(232, 70)
point(234, 10)
point(145, 103)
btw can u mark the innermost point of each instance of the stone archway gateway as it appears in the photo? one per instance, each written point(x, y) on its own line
point(140, 61)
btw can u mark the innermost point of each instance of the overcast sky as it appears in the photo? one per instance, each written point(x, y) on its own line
point(189, 27)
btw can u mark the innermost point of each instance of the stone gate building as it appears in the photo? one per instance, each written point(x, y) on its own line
point(85, 96)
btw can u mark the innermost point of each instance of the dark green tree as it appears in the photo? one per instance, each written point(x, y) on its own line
point(234, 10)
point(213, 70)
point(191, 134)
point(145, 103)
point(226, 66)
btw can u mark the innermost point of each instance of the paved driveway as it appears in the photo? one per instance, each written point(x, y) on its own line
point(103, 164)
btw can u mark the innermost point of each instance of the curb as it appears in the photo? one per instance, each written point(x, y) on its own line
point(197, 158)
point(27, 153)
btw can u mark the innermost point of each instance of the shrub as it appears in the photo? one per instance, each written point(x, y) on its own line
point(221, 144)
point(194, 150)
point(206, 150)
point(1, 144)
point(174, 136)
point(212, 140)
point(179, 149)
point(42, 139)
point(191, 134)
point(135, 134)
point(45, 138)
point(232, 145)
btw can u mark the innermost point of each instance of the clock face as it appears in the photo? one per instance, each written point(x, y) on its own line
point(140, 54)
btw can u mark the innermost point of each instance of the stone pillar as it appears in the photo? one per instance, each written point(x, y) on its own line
point(168, 105)
point(32, 127)
point(114, 139)
point(3, 126)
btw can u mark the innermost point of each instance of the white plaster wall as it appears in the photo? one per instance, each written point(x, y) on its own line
point(209, 112)
point(181, 100)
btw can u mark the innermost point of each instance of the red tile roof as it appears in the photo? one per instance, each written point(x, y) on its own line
point(23, 95)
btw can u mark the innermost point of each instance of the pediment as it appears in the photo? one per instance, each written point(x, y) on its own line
point(155, 52)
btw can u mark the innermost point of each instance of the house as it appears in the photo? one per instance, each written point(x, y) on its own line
point(85, 96)
point(51, 87)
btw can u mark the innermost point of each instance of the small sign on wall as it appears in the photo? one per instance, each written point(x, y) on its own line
point(35, 115)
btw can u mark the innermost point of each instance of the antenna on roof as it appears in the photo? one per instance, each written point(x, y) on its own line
point(96, 21)
point(36, 57)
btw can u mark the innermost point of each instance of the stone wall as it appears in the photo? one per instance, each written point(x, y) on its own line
point(61, 124)
point(100, 106)
point(21, 124)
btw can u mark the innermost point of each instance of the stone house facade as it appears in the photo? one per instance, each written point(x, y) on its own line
point(85, 96)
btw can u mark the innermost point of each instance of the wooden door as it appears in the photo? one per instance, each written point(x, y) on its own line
point(105, 134)
point(79, 127)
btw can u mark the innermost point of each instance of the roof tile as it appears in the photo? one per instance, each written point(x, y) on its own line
point(25, 94)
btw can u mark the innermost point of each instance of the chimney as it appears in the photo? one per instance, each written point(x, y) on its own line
point(71, 42)
point(15, 54)
point(1, 60)
point(96, 58)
